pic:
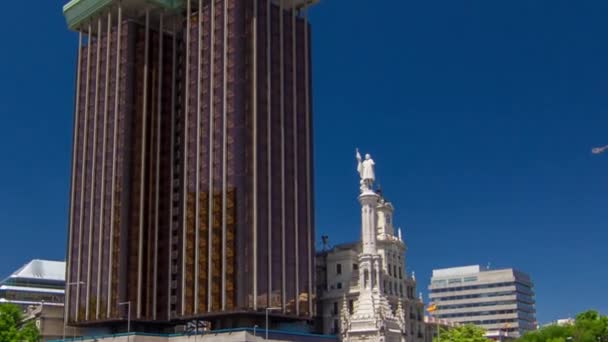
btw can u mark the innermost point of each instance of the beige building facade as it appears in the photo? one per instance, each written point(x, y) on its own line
point(49, 321)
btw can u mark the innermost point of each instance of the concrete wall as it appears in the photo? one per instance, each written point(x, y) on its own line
point(231, 336)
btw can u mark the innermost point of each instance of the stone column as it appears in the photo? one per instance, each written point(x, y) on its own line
point(369, 202)
point(378, 274)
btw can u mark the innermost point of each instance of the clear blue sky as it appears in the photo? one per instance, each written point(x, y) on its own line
point(480, 116)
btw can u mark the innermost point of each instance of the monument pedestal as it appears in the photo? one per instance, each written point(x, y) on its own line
point(373, 318)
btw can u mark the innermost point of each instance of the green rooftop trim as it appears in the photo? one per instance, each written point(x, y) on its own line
point(77, 11)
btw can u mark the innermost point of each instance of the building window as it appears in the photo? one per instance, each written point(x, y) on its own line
point(336, 328)
point(339, 286)
point(390, 270)
point(335, 310)
point(355, 267)
point(351, 306)
point(339, 268)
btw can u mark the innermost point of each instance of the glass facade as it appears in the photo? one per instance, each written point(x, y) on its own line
point(192, 187)
point(119, 223)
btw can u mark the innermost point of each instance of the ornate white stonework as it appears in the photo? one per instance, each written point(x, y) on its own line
point(372, 318)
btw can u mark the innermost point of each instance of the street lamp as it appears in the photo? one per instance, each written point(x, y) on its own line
point(128, 304)
point(65, 318)
point(267, 311)
point(254, 329)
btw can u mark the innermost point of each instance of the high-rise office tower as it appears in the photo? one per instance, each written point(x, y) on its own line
point(191, 194)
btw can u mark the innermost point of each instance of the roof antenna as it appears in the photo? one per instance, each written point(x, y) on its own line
point(489, 265)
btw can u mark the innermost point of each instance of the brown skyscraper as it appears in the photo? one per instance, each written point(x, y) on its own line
point(192, 165)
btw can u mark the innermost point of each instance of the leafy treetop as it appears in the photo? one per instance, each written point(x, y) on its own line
point(588, 326)
point(14, 328)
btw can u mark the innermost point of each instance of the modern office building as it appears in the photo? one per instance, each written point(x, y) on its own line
point(191, 194)
point(496, 300)
point(35, 283)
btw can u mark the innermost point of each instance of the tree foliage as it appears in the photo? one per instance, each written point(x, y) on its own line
point(465, 333)
point(12, 325)
point(589, 326)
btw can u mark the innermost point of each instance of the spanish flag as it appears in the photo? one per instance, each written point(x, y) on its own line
point(432, 307)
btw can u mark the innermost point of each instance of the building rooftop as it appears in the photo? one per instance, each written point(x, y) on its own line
point(456, 271)
point(348, 246)
point(76, 12)
point(38, 281)
point(475, 269)
point(41, 270)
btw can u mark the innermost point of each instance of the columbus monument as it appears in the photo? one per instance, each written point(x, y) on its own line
point(373, 318)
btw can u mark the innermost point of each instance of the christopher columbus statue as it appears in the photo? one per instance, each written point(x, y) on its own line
point(366, 171)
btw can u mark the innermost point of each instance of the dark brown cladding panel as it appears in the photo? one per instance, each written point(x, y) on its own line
point(205, 130)
point(188, 172)
point(150, 174)
point(113, 146)
point(104, 147)
point(282, 163)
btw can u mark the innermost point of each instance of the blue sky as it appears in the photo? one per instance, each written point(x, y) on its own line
point(480, 116)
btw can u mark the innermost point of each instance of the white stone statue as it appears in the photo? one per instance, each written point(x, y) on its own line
point(366, 171)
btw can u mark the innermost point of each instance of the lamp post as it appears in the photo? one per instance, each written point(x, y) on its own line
point(65, 318)
point(267, 311)
point(128, 304)
point(254, 329)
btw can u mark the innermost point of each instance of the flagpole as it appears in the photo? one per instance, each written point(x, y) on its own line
point(431, 309)
point(438, 329)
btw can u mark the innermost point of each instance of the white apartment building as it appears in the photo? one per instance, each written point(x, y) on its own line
point(497, 300)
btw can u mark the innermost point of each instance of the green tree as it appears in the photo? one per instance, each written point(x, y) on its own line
point(589, 326)
point(465, 333)
point(12, 325)
point(552, 333)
